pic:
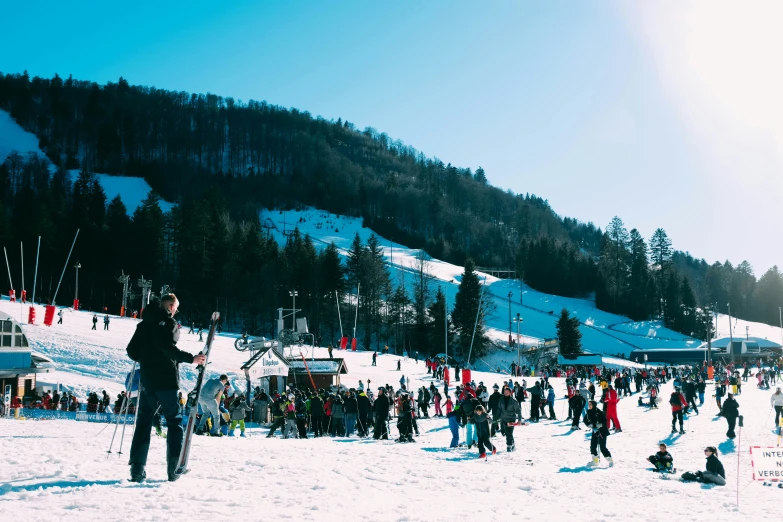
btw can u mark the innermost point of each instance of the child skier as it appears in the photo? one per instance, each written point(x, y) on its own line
point(237, 410)
point(662, 461)
point(481, 421)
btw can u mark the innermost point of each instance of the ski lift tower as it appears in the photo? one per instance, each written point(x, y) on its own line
point(124, 280)
point(146, 286)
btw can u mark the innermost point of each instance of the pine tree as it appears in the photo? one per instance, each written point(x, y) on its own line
point(436, 330)
point(688, 314)
point(468, 304)
point(671, 308)
point(614, 262)
point(660, 248)
point(568, 335)
point(480, 176)
point(639, 303)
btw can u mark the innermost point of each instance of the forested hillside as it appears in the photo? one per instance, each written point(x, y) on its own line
point(221, 160)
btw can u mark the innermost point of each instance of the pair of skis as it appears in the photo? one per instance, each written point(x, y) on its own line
point(192, 402)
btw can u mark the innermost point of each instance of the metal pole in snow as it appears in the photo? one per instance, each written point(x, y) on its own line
point(21, 246)
point(9, 269)
point(54, 299)
point(475, 325)
point(35, 278)
point(446, 327)
point(339, 318)
point(356, 317)
point(21, 305)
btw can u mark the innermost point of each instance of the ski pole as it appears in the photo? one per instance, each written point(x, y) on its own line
point(125, 418)
point(122, 406)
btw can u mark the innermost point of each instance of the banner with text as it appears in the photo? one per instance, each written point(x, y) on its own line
point(767, 463)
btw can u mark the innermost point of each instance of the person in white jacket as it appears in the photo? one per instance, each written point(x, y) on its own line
point(777, 402)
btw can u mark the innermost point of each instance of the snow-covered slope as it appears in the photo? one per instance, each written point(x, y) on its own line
point(131, 190)
point(15, 138)
point(602, 332)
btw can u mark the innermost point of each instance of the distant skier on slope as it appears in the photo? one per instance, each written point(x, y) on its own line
point(154, 347)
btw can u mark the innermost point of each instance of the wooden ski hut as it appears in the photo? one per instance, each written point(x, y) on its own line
point(324, 372)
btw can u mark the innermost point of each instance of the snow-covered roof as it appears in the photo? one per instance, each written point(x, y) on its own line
point(723, 342)
point(320, 366)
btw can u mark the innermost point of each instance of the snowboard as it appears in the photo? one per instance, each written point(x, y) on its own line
point(187, 437)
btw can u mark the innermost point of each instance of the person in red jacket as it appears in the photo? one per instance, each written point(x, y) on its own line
point(611, 400)
point(678, 403)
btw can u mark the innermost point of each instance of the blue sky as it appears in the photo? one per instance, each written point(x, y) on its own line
point(649, 111)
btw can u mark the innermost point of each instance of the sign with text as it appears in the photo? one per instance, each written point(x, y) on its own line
point(767, 463)
point(270, 364)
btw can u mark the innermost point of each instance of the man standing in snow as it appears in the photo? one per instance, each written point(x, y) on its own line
point(381, 411)
point(211, 392)
point(509, 413)
point(154, 347)
point(678, 403)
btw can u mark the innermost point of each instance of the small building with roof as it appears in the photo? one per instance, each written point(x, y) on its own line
point(18, 364)
point(321, 373)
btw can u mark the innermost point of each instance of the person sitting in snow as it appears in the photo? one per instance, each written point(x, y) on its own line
point(662, 461)
point(715, 474)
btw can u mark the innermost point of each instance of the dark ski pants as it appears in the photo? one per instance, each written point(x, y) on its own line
point(301, 427)
point(534, 412)
point(484, 444)
point(278, 423)
point(169, 407)
point(551, 411)
point(509, 436)
point(363, 426)
point(380, 428)
point(658, 463)
point(676, 415)
point(732, 423)
point(598, 440)
point(778, 412)
point(316, 422)
point(692, 403)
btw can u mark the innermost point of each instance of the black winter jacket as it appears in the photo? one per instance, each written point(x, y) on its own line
point(730, 408)
point(363, 403)
point(351, 406)
point(381, 407)
point(714, 465)
point(596, 419)
point(156, 350)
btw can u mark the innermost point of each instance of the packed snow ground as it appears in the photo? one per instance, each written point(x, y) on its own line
point(60, 469)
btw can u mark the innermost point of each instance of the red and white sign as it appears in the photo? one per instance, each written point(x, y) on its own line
point(767, 463)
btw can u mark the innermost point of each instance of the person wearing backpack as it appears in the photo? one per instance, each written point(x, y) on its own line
point(154, 347)
point(678, 404)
